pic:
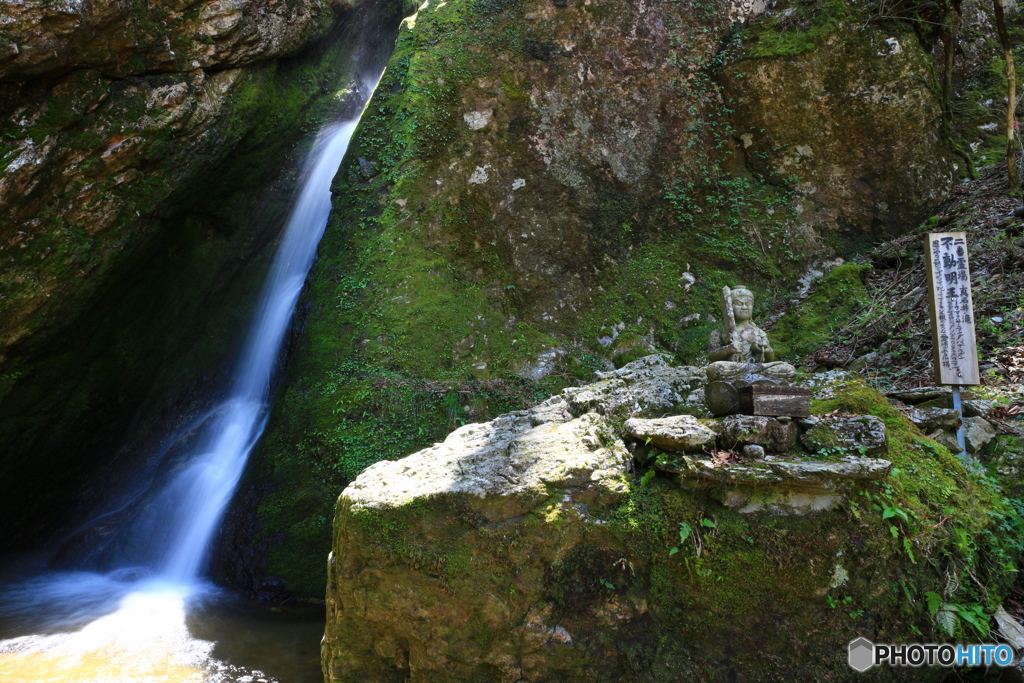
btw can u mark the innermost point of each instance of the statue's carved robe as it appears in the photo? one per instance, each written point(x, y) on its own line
point(754, 345)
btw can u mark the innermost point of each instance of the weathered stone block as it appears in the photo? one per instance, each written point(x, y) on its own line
point(773, 435)
point(863, 434)
point(679, 433)
point(977, 432)
point(929, 419)
point(978, 407)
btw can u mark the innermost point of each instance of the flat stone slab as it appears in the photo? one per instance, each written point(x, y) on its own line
point(800, 473)
point(919, 395)
point(679, 433)
point(647, 387)
point(780, 485)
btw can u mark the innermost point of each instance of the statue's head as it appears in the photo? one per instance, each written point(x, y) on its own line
point(742, 303)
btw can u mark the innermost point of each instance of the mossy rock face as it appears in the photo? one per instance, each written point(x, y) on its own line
point(523, 549)
point(846, 114)
point(836, 299)
point(530, 175)
point(1004, 458)
point(628, 348)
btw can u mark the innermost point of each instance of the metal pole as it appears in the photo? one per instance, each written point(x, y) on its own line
point(958, 406)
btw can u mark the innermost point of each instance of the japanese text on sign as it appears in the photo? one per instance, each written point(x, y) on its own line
point(955, 352)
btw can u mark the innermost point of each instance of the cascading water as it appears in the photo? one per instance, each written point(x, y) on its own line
point(123, 628)
point(189, 509)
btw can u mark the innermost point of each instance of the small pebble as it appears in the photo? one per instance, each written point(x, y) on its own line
point(997, 319)
point(754, 452)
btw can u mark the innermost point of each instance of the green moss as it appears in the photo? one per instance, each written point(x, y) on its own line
point(400, 533)
point(836, 300)
point(821, 438)
point(805, 26)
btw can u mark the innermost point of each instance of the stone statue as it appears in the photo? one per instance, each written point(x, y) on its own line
point(741, 355)
point(740, 340)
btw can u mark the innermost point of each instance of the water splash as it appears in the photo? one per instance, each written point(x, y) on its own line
point(144, 639)
point(143, 636)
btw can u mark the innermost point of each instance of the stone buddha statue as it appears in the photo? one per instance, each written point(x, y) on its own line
point(740, 340)
point(741, 355)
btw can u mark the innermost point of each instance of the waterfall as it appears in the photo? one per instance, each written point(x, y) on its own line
point(168, 533)
point(190, 508)
point(130, 622)
point(127, 622)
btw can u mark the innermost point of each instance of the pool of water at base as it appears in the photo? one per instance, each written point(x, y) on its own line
point(126, 627)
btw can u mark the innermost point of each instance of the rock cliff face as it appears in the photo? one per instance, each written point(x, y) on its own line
point(540, 188)
point(850, 124)
point(95, 138)
point(122, 39)
point(146, 157)
point(540, 546)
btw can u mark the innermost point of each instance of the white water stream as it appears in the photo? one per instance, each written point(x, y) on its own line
point(116, 628)
point(191, 507)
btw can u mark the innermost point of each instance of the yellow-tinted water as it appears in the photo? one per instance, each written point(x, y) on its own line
point(145, 639)
point(160, 634)
point(101, 666)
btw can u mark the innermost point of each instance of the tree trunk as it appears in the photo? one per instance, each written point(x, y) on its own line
point(1011, 96)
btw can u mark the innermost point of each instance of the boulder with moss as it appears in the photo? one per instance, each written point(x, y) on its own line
point(863, 434)
point(533, 548)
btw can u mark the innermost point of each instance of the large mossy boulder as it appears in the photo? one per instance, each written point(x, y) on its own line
point(534, 548)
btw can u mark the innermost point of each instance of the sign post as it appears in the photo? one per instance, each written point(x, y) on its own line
point(954, 349)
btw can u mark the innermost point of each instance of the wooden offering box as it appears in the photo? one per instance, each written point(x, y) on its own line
point(775, 401)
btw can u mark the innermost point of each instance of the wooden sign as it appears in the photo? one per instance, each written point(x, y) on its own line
point(775, 401)
point(954, 350)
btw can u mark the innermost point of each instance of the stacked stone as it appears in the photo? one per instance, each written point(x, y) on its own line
point(931, 409)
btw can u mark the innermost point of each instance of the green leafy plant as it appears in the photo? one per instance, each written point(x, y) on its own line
point(684, 533)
